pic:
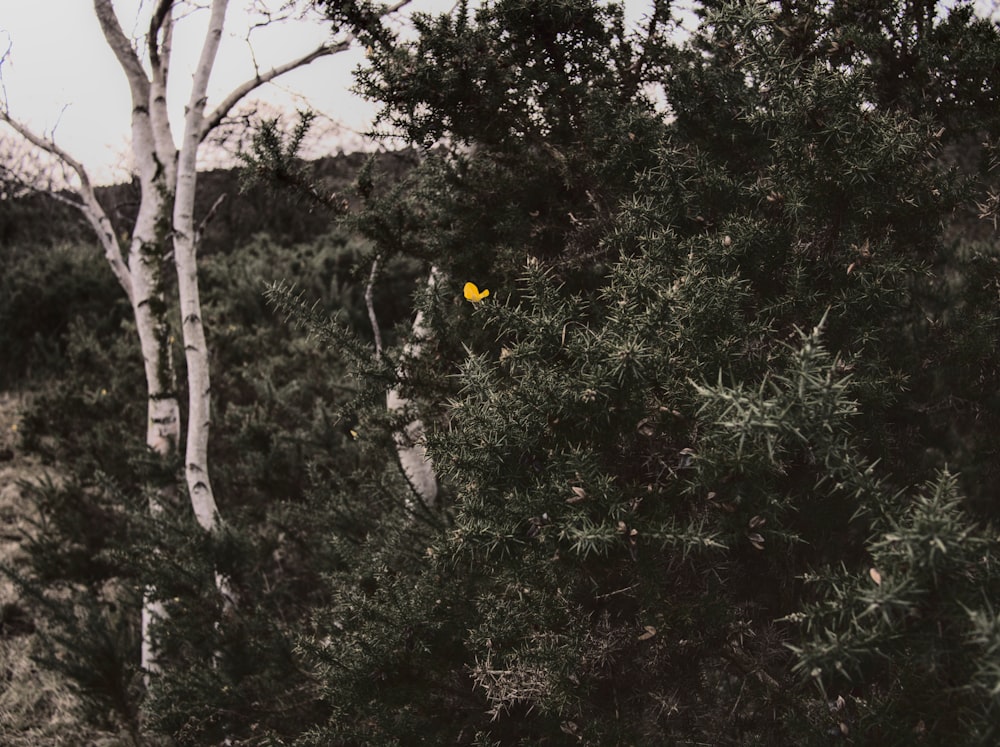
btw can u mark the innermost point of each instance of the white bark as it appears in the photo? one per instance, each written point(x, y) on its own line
point(185, 257)
point(410, 448)
point(167, 180)
point(140, 272)
point(159, 42)
point(148, 246)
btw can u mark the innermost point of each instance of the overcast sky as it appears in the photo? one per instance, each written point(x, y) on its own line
point(61, 75)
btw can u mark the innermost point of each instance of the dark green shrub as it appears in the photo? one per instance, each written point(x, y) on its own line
point(683, 438)
point(44, 291)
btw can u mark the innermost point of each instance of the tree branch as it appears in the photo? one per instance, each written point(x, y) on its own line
point(5, 57)
point(156, 23)
point(49, 147)
point(159, 56)
point(122, 48)
point(237, 94)
point(88, 204)
point(370, 303)
point(200, 230)
point(212, 120)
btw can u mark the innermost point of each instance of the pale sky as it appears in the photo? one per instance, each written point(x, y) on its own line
point(60, 74)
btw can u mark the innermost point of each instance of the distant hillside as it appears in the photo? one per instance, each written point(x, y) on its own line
point(40, 220)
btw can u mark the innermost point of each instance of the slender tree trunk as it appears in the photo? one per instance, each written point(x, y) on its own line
point(185, 257)
point(167, 182)
point(146, 264)
point(147, 258)
point(410, 449)
point(186, 260)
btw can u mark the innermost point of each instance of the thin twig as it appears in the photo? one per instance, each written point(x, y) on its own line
point(370, 303)
point(208, 218)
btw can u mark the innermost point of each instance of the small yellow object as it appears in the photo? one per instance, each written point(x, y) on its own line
point(473, 294)
point(14, 427)
point(354, 434)
point(104, 392)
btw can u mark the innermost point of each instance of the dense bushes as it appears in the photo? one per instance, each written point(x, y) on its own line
point(696, 487)
point(44, 292)
point(716, 452)
point(278, 427)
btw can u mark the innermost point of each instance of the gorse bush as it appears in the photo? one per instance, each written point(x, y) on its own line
point(278, 429)
point(43, 292)
point(715, 453)
point(684, 438)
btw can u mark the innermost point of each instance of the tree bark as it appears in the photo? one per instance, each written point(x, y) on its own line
point(185, 258)
point(147, 256)
point(410, 448)
point(167, 180)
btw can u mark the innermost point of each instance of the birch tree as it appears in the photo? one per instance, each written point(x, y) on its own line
point(410, 449)
point(164, 229)
point(409, 441)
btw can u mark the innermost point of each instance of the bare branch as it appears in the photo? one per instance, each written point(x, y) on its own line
point(4, 58)
point(194, 120)
point(162, 23)
point(370, 303)
point(237, 94)
point(48, 146)
point(123, 50)
point(269, 17)
point(25, 169)
point(88, 204)
point(399, 4)
point(156, 24)
point(200, 230)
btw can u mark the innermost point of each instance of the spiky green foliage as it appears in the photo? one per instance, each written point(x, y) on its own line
point(95, 546)
point(716, 451)
point(43, 292)
point(699, 386)
point(917, 628)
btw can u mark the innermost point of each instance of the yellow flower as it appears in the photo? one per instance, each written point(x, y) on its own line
point(473, 294)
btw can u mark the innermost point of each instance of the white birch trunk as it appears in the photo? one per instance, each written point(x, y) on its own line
point(166, 216)
point(410, 448)
point(185, 257)
point(147, 247)
point(146, 261)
